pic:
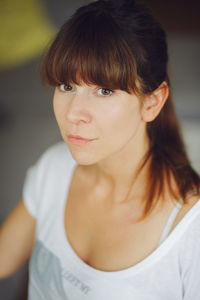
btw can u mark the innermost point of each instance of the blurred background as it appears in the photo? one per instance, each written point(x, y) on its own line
point(27, 124)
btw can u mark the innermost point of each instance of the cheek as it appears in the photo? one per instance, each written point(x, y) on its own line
point(120, 124)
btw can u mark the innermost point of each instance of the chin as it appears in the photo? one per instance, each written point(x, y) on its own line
point(83, 158)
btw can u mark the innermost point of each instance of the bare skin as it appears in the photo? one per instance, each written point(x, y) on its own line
point(117, 122)
point(104, 234)
point(100, 220)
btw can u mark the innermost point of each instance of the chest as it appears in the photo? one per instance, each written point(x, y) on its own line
point(106, 237)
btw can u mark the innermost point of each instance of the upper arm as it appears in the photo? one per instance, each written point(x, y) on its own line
point(17, 235)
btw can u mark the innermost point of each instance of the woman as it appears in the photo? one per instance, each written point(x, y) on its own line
point(111, 212)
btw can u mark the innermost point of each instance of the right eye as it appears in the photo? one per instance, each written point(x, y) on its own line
point(65, 88)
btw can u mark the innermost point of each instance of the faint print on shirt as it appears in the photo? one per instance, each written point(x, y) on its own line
point(47, 275)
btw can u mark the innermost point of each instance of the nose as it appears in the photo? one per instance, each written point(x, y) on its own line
point(78, 111)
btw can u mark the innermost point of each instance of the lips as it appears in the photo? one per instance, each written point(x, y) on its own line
point(79, 137)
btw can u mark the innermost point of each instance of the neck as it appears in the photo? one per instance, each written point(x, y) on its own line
point(116, 176)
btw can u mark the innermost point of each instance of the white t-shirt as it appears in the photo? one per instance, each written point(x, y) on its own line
point(171, 272)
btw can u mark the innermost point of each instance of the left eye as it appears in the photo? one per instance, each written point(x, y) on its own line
point(105, 92)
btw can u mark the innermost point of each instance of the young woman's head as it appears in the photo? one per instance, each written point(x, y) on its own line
point(117, 46)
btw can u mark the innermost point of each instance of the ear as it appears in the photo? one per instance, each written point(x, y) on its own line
point(154, 102)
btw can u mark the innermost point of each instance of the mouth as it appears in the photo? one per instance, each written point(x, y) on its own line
point(78, 140)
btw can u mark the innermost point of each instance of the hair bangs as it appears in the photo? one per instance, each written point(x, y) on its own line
point(119, 45)
point(91, 50)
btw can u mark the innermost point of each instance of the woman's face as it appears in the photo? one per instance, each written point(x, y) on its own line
point(112, 118)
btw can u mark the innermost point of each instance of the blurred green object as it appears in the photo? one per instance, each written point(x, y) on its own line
point(25, 31)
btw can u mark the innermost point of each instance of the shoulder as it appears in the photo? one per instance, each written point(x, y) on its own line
point(190, 207)
point(57, 155)
point(189, 262)
point(190, 248)
point(190, 219)
point(45, 176)
point(54, 151)
point(186, 228)
point(55, 161)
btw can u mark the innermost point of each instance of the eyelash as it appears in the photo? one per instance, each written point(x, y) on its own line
point(62, 89)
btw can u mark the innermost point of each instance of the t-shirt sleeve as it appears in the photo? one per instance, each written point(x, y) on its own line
point(191, 263)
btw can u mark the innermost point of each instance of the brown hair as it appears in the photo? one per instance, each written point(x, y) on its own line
point(117, 44)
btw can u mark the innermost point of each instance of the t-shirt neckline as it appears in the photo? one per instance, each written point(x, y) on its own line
point(151, 259)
